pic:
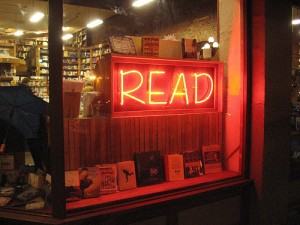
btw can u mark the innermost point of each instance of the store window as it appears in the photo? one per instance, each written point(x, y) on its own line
point(24, 106)
point(154, 99)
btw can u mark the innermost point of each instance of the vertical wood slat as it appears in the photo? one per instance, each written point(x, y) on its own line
point(109, 140)
point(66, 145)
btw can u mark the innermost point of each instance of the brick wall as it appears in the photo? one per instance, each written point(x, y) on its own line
point(185, 19)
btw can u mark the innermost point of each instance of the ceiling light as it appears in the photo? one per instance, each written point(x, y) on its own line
point(36, 17)
point(296, 21)
point(38, 32)
point(139, 3)
point(65, 28)
point(67, 36)
point(94, 23)
point(18, 33)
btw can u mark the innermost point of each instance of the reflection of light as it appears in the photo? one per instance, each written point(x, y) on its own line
point(65, 28)
point(93, 77)
point(127, 93)
point(196, 87)
point(211, 39)
point(296, 21)
point(94, 23)
point(36, 17)
point(181, 76)
point(18, 33)
point(140, 3)
point(67, 36)
point(154, 92)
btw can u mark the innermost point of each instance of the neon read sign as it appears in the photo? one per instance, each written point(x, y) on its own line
point(144, 84)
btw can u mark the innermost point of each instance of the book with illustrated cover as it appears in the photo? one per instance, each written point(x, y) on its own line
point(122, 45)
point(174, 167)
point(212, 159)
point(108, 178)
point(126, 175)
point(149, 168)
point(189, 48)
point(193, 165)
point(72, 186)
point(89, 182)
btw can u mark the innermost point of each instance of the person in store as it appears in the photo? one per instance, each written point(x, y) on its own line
point(88, 87)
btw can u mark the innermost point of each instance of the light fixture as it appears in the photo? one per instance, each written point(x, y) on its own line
point(215, 45)
point(139, 3)
point(36, 17)
point(94, 23)
point(296, 21)
point(211, 39)
point(206, 46)
point(18, 33)
point(65, 28)
point(67, 36)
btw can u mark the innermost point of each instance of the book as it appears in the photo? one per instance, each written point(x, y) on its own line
point(122, 45)
point(149, 168)
point(108, 178)
point(189, 48)
point(89, 182)
point(174, 167)
point(72, 186)
point(4, 201)
point(150, 46)
point(27, 194)
point(193, 165)
point(126, 175)
point(212, 159)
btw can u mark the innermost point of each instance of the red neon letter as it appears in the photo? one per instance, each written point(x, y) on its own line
point(155, 92)
point(181, 76)
point(196, 87)
point(127, 93)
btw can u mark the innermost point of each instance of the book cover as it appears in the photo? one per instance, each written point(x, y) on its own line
point(149, 168)
point(193, 166)
point(150, 46)
point(212, 159)
point(89, 182)
point(126, 175)
point(108, 178)
point(4, 201)
point(72, 186)
point(122, 45)
point(174, 167)
point(189, 48)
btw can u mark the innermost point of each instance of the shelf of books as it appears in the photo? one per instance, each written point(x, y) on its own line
point(70, 63)
point(42, 59)
point(23, 46)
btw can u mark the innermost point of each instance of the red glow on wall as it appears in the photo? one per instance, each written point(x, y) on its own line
point(144, 84)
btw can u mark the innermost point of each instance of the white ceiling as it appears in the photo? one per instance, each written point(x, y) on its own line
point(14, 14)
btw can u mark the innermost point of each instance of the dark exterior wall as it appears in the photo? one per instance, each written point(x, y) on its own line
point(271, 72)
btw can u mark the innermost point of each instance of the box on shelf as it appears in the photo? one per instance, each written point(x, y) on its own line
point(71, 96)
point(170, 49)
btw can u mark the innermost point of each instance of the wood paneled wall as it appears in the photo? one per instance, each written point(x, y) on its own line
point(91, 141)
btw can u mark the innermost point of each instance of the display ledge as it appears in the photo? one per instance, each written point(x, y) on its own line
point(152, 191)
point(205, 187)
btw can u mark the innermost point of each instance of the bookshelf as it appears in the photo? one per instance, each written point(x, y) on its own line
point(70, 63)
